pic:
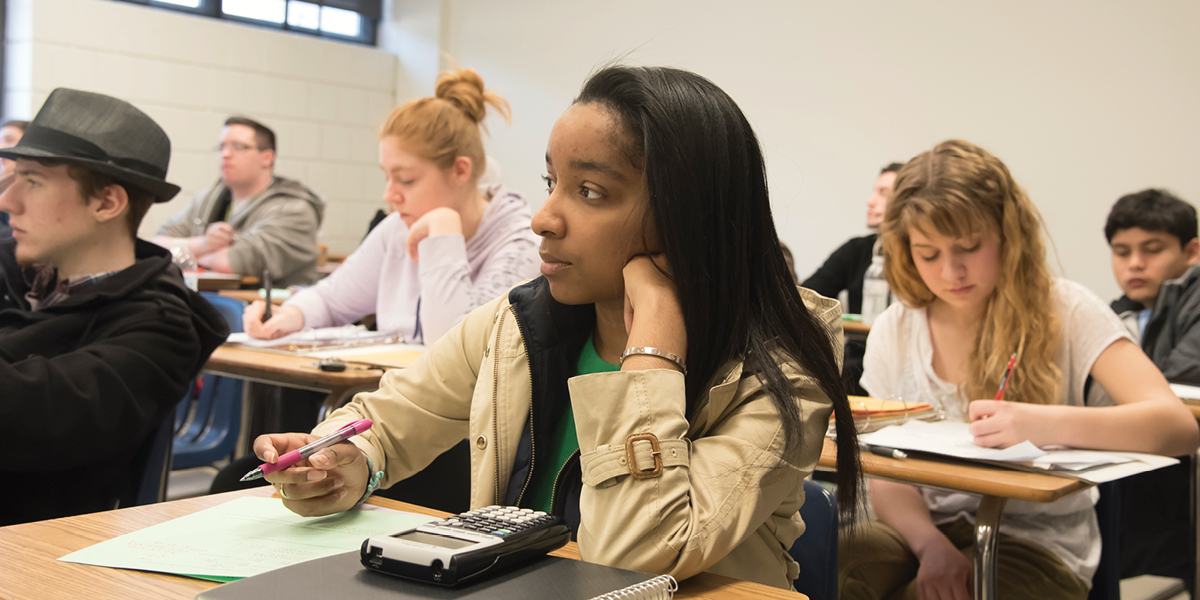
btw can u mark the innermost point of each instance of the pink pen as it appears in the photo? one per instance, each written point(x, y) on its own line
point(296, 456)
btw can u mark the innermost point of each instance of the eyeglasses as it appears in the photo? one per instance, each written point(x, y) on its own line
point(236, 147)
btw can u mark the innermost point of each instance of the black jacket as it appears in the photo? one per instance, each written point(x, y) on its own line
point(844, 270)
point(554, 335)
point(1172, 336)
point(83, 383)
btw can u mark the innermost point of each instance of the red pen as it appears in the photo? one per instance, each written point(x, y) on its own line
point(1012, 362)
point(298, 455)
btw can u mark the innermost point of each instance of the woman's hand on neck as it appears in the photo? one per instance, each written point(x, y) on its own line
point(649, 315)
point(447, 220)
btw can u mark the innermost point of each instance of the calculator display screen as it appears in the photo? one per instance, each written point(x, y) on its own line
point(440, 541)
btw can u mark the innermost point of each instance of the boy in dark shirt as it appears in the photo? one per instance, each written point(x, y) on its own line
point(844, 270)
point(1154, 254)
point(99, 337)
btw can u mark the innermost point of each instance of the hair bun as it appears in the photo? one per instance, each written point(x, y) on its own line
point(464, 89)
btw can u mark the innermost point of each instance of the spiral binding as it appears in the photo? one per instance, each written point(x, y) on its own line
point(662, 587)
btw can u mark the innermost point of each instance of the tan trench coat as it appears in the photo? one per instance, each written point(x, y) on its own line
point(725, 502)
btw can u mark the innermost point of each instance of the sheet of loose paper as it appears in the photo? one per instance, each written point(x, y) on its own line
point(241, 538)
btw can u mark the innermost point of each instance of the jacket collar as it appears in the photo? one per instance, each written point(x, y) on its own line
point(151, 259)
point(1123, 305)
point(547, 323)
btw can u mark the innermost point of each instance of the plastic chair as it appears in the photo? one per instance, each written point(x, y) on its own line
point(148, 475)
point(207, 429)
point(817, 549)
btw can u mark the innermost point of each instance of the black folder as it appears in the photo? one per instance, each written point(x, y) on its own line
point(343, 576)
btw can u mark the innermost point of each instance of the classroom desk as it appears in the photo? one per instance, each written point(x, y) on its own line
point(855, 330)
point(996, 485)
point(294, 372)
point(31, 550)
point(249, 296)
point(210, 281)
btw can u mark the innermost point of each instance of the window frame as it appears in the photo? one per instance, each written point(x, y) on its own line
point(212, 8)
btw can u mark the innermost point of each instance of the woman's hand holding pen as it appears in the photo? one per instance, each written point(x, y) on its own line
point(284, 320)
point(1000, 424)
point(330, 481)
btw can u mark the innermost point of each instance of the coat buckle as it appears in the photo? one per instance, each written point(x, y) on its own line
point(655, 452)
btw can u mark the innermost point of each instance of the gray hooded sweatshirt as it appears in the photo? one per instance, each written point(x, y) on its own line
point(276, 230)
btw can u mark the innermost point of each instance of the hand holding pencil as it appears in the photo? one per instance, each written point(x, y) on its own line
point(999, 424)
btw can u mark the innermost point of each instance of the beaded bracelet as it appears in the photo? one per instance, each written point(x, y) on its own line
point(373, 483)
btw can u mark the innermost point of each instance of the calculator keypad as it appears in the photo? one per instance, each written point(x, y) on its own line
point(502, 521)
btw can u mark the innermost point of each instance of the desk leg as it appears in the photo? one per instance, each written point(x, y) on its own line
point(337, 398)
point(1194, 514)
point(987, 530)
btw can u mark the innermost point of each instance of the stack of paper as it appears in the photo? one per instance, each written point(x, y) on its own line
point(1190, 394)
point(324, 338)
point(953, 439)
point(873, 413)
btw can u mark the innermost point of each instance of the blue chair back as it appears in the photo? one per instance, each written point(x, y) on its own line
point(207, 424)
point(151, 464)
point(817, 549)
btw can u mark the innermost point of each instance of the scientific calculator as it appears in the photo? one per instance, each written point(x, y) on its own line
point(466, 546)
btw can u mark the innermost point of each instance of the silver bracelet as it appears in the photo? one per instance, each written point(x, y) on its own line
point(654, 352)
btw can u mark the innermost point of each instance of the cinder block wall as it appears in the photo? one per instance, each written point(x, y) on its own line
point(325, 99)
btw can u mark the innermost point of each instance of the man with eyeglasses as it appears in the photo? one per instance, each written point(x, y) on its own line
point(252, 220)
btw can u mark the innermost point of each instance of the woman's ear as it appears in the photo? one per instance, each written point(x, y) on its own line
point(460, 171)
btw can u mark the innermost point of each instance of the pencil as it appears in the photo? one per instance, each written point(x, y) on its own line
point(267, 288)
point(1012, 362)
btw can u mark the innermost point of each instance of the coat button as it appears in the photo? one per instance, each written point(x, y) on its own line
point(481, 442)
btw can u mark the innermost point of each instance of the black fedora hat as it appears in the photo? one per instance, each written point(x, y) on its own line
point(101, 133)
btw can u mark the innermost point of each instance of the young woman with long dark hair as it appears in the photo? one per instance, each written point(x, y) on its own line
point(666, 317)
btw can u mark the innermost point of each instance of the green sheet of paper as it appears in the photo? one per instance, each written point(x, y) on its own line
point(241, 538)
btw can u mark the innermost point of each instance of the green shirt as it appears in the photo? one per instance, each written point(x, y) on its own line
point(563, 442)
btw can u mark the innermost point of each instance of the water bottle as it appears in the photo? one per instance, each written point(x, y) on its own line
point(875, 291)
point(182, 256)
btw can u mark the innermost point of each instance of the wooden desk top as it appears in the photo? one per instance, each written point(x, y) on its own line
point(856, 327)
point(31, 550)
point(963, 476)
point(211, 281)
point(285, 369)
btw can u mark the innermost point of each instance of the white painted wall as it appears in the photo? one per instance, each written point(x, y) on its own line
point(324, 99)
point(1083, 100)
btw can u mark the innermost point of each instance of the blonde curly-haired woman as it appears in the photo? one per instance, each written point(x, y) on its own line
point(966, 257)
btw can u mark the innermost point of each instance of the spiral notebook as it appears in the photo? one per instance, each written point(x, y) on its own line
point(343, 576)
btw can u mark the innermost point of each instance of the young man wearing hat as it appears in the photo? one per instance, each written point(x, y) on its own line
point(251, 220)
point(99, 337)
